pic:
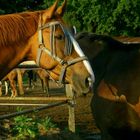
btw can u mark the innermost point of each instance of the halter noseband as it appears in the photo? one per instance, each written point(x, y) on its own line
point(52, 53)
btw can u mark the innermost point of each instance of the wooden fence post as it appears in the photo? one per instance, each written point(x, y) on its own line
point(71, 119)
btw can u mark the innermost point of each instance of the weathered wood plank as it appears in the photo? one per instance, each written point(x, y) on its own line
point(71, 104)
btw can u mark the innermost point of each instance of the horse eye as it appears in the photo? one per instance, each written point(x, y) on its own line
point(59, 37)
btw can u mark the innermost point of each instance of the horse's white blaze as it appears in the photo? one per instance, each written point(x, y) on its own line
point(80, 53)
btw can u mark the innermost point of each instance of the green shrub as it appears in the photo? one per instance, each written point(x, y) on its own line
point(30, 127)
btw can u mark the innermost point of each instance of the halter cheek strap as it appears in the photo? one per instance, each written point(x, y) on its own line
point(52, 52)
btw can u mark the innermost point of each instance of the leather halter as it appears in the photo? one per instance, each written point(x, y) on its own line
point(68, 48)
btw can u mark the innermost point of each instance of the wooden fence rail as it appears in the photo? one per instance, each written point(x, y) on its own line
point(35, 98)
point(7, 116)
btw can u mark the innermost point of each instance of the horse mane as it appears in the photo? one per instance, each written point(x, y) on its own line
point(98, 37)
point(107, 40)
point(17, 28)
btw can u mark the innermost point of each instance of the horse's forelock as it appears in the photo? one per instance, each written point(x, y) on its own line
point(17, 28)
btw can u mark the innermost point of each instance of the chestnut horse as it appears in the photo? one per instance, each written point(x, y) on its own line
point(12, 76)
point(17, 74)
point(42, 36)
point(43, 76)
point(116, 100)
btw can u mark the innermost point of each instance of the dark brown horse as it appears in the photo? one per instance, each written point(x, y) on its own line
point(42, 36)
point(43, 76)
point(116, 100)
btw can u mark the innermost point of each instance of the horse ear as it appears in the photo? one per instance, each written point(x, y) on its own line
point(60, 10)
point(50, 11)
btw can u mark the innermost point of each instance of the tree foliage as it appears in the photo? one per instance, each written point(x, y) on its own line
point(113, 17)
point(12, 6)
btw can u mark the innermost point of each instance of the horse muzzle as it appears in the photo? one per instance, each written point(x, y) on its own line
point(82, 85)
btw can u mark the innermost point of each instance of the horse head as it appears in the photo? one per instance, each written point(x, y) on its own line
point(54, 48)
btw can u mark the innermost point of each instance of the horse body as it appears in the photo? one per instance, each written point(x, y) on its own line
point(17, 74)
point(42, 36)
point(12, 77)
point(115, 104)
point(43, 76)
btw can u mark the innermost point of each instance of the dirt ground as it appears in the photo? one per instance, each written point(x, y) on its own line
point(85, 124)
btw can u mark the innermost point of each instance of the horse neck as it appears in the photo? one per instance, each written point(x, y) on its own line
point(11, 57)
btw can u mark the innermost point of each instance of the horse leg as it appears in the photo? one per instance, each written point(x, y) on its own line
point(33, 84)
point(34, 79)
point(44, 81)
point(42, 84)
point(13, 88)
point(0, 88)
point(44, 87)
point(30, 76)
point(30, 83)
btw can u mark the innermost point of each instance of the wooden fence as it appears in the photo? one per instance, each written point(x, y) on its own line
point(68, 99)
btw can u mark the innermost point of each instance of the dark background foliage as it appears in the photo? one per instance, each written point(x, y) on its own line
point(113, 17)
